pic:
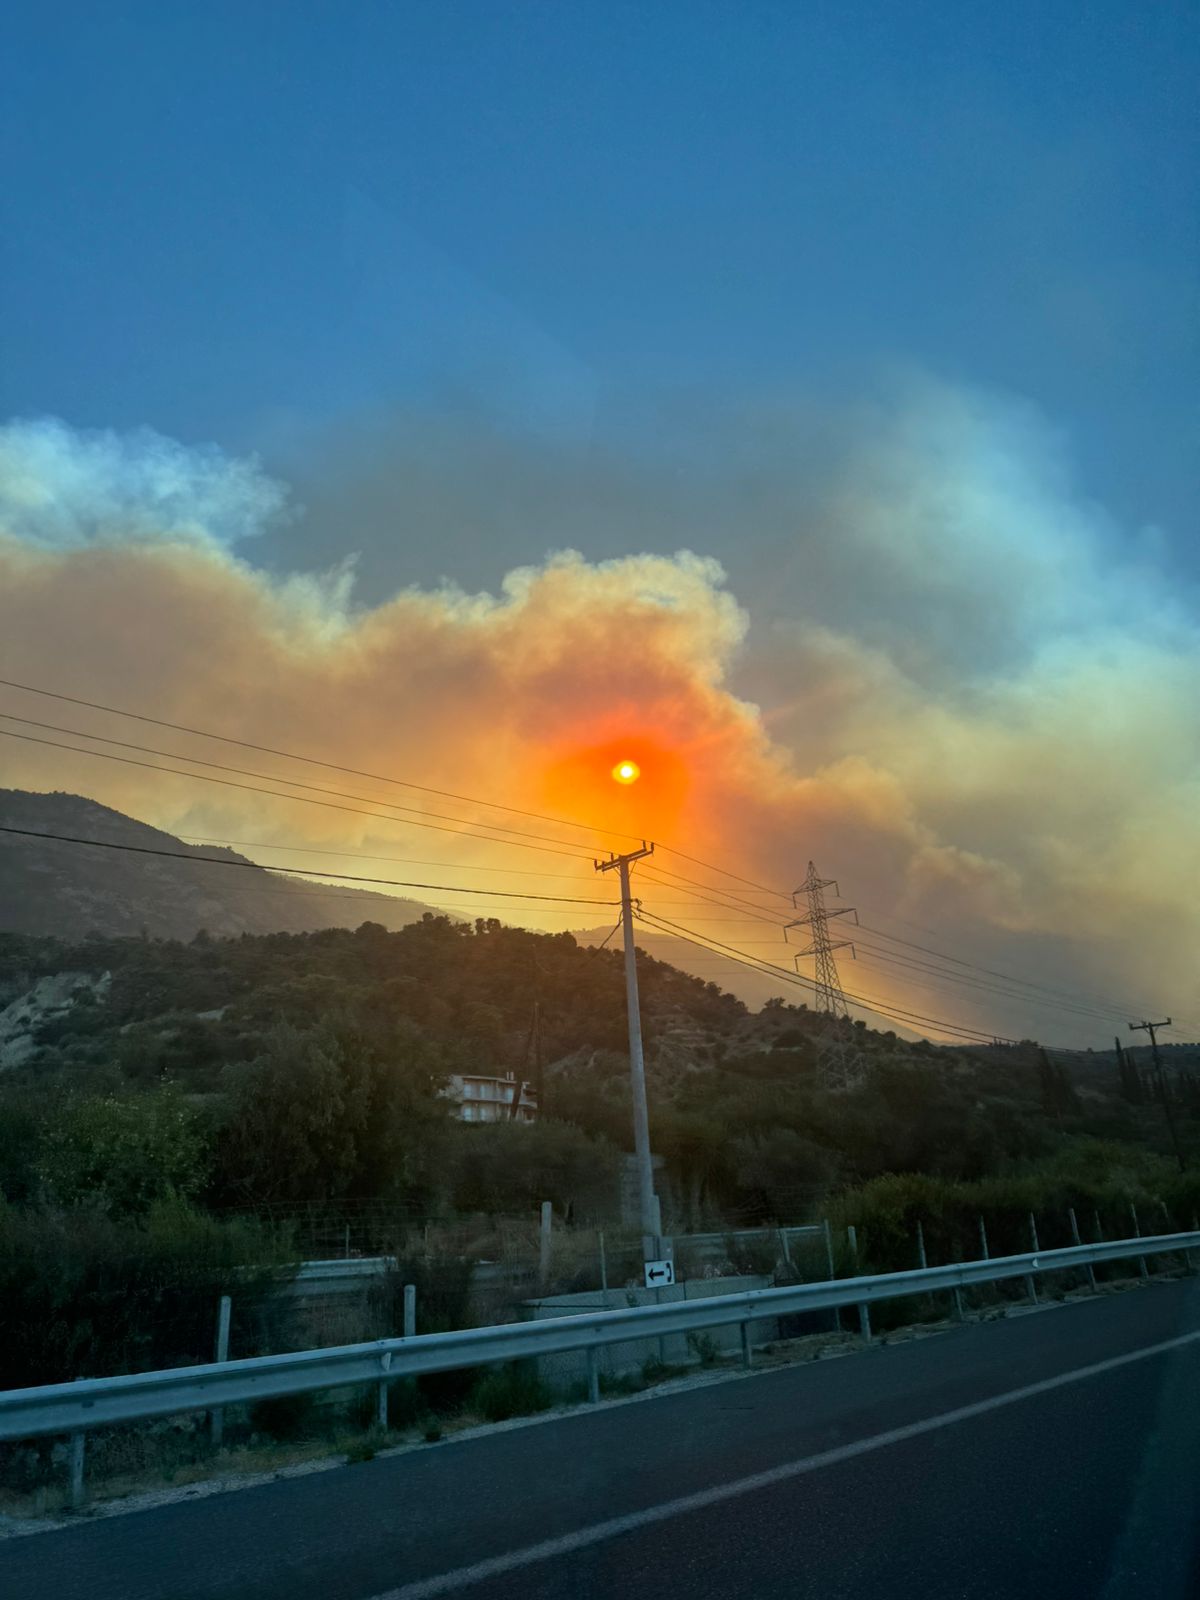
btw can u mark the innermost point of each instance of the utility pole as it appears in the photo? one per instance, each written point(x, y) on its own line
point(1160, 1082)
point(648, 1206)
point(836, 1058)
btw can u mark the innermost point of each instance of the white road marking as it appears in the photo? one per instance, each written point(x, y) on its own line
point(567, 1543)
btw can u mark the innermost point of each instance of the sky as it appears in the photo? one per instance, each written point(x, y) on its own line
point(802, 396)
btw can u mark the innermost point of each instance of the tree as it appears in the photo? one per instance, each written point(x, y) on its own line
point(344, 1108)
point(1131, 1083)
point(509, 1167)
point(1057, 1090)
point(123, 1153)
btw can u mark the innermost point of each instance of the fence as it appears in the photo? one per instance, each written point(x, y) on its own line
point(73, 1408)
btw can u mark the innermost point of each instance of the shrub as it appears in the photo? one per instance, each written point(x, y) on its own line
point(285, 1416)
point(509, 1391)
point(86, 1295)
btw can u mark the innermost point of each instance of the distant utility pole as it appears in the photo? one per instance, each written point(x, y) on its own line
point(1160, 1082)
point(836, 1059)
point(647, 1199)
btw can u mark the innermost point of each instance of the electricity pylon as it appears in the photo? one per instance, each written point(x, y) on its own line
point(838, 1062)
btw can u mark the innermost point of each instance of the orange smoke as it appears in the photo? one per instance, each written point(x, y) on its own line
point(577, 781)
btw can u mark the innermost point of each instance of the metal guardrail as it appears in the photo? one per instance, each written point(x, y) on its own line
point(98, 1402)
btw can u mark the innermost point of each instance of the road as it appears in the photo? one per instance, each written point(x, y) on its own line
point(1055, 1453)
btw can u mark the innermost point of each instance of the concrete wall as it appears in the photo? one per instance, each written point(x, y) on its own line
point(630, 1356)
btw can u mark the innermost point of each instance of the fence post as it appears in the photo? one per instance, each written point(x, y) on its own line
point(544, 1243)
point(410, 1310)
point(1137, 1233)
point(983, 1237)
point(593, 1374)
point(346, 1244)
point(747, 1357)
point(1030, 1285)
point(603, 1263)
point(1099, 1229)
point(216, 1418)
point(784, 1246)
point(1075, 1239)
point(76, 1490)
point(922, 1261)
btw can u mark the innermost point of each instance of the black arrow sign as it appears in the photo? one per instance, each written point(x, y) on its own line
point(658, 1272)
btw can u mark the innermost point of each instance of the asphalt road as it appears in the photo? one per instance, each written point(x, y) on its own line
point(985, 1462)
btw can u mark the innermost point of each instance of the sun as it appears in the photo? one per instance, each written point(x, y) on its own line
point(627, 772)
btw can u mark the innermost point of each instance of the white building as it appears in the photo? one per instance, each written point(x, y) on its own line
point(484, 1099)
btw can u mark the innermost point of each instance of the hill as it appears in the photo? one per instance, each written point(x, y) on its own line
point(315, 1062)
point(69, 892)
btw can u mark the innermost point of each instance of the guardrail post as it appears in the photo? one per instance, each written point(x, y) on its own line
point(785, 1248)
point(747, 1355)
point(410, 1310)
point(922, 1260)
point(1075, 1239)
point(1030, 1285)
point(603, 1263)
point(983, 1242)
point(545, 1243)
point(864, 1311)
point(837, 1310)
point(1137, 1234)
point(381, 1413)
point(593, 1374)
point(216, 1417)
point(76, 1489)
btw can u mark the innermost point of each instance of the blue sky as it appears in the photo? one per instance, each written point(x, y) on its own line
point(249, 223)
point(891, 309)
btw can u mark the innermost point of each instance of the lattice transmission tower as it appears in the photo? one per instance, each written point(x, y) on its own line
point(838, 1062)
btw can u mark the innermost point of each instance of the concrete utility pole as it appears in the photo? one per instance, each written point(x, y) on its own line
point(648, 1206)
point(1160, 1082)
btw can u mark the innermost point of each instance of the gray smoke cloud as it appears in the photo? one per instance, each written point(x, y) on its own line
point(924, 659)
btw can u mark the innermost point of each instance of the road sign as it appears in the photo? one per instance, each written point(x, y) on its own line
point(659, 1274)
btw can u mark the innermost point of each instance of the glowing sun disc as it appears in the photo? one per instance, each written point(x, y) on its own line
point(627, 772)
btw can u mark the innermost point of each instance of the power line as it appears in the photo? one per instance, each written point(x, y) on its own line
point(316, 761)
point(467, 826)
point(300, 799)
point(1065, 1000)
point(268, 777)
point(894, 1014)
point(724, 871)
point(348, 877)
point(764, 912)
point(367, 855)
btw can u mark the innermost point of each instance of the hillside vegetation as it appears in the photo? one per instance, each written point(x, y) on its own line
point(168, 1110)
point(307, 1067)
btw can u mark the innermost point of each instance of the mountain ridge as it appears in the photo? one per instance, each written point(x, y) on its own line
point(50, 887)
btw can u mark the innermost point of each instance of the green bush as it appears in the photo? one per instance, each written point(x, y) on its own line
point(124, 1153)
point(87, 1295)
point(514, 1390)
